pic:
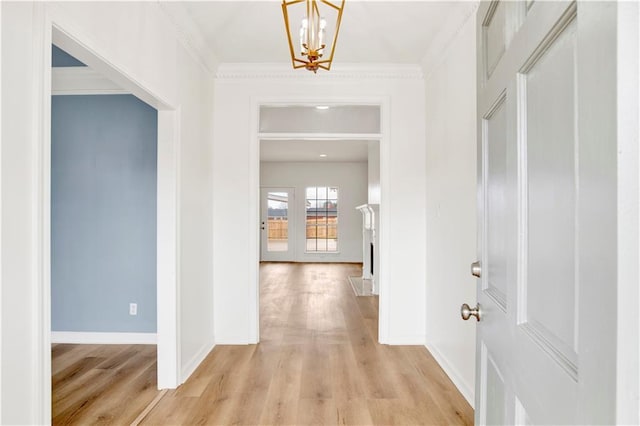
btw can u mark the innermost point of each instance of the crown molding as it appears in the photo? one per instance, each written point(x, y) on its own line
point(189, 35)
point(232, 71)
point(82, 81)
point(445, 38)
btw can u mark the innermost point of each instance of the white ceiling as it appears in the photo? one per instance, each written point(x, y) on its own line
point(371, 31)
point(310, 150)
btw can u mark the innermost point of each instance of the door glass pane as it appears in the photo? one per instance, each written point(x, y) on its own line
point(311, 238)
point(277, 221)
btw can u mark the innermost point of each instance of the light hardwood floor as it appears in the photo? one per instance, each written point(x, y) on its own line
point(318, 363)
point(101, 384)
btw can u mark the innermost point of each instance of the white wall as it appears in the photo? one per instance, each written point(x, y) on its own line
point(17, 309)
point(351, 181)
point(238, 92)
point(373, 173)
point(195, 92)
point(451, 207)
point(138, 39)
point(628, 220)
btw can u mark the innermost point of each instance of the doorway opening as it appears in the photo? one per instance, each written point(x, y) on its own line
point(103, 245)
point(317, 172)
point(167, 233)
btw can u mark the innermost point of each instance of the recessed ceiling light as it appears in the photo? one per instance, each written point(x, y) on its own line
point(322, 107)
point(323, 155)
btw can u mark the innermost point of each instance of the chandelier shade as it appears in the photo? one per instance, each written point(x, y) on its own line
point(312, 31)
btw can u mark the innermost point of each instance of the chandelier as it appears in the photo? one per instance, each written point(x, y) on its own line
point(319, 23)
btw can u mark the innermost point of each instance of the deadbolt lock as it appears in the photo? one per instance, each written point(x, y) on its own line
point(476, 269)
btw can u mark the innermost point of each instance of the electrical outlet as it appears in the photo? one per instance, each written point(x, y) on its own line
point(133, 309)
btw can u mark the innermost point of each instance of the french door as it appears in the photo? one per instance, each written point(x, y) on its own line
point(277, 224)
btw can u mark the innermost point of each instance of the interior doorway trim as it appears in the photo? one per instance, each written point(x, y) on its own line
point(51, 27)
point(254, 195)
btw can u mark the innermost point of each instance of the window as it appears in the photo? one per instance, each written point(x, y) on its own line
point(322, 219)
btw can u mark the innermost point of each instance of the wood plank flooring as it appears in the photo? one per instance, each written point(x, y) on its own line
point(318, 363)
point(101, 384)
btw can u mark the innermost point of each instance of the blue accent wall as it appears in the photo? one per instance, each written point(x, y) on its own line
point(60, 58)
point(103, 213)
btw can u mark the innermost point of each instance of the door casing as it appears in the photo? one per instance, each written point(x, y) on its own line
point(58, 29)
point(254, 195)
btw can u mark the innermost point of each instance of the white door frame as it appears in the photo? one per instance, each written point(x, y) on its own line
point(254, 196)
point(56, 27)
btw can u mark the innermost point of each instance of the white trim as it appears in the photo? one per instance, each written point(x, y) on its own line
point(196, 360)
point(100, 338)
point(82, 81)
point(71, 39)
point(51, 24)
point(319, 136)
point(407, 340)
point(254, 206)
point(189, 35)
point(40, 220)
point(465, 389)
point(628, 211)
point(342, 71)
point(325, 253)
point(382, 232)
point(1, 330)
point(255, 202)
point(232, 339)
point(168, 249)
point(444, 38)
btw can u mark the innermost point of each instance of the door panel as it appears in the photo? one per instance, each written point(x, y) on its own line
point(495, 35)
point(495, 145)
point(542, 356)
point(277, 224)
point(496, 406)
point(551, 182)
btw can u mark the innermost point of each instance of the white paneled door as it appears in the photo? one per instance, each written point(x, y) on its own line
point(277, 224)
point(547, 228)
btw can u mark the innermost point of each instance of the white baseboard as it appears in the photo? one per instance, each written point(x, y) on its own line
point(231, 339)
point(467, 391)
point(414, 340)
point(81, 337)
point(196, 360)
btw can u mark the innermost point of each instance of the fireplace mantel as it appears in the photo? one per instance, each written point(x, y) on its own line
point(369, 251)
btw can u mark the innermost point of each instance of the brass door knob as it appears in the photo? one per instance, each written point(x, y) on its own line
point(467, 312)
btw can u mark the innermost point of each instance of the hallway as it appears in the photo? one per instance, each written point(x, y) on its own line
point(318, 363)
